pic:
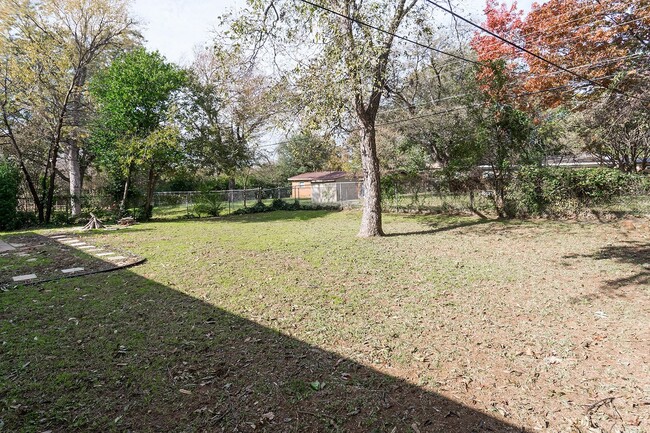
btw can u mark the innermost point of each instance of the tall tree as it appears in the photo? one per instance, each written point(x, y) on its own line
point(343, 64)
point(227, 105)
point(595, 39)
point(600, 42)
point(47, 50)
point(305, 152)
point(134, 95)
point(617, 130)
point(604, 45)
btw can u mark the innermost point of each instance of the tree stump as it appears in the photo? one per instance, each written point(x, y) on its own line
point(93, 223)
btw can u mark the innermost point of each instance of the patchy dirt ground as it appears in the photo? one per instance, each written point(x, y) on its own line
point(288, 322)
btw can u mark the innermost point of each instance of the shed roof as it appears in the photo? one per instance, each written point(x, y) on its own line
point(320, 176)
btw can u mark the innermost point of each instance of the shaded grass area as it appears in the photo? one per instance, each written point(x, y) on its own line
point(186, 210)
point(287, 322)
point(119, 352)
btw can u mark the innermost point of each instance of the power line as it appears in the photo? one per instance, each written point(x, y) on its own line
point(565, 23)
point(451, 110)
point(429, 47)
point(537, 56)
point(586, 65)
point(379, 29)
point(458, 57)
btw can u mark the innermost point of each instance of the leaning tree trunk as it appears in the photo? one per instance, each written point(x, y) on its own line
point(371, 215)
point(19, 154)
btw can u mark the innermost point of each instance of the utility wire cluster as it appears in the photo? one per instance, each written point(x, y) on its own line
point(560, 68)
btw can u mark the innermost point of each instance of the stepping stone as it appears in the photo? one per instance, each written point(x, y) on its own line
point(33, 259)
point(85, 247)
point(5, 247)
point(71, 270)
point(77, 244)
point(17, 245)
point(58, 236)
point(23, 254)
point(116, 258)
point(25, 277)
point(94, 250)
point(105, 254)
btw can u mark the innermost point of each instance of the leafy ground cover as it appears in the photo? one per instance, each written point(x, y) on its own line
point(285, 321)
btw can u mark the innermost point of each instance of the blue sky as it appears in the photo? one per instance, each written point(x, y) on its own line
point(175, 27)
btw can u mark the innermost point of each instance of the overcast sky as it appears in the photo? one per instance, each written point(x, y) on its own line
point(175, 27)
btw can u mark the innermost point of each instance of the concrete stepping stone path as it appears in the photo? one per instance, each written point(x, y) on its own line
point(96, 259)
point(27, 277)
point(71, 270)
point(4, 246)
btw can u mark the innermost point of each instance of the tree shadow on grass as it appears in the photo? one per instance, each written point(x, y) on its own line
point(278, 215)
point(438, 227)
point(119, 352)
point(634, 253)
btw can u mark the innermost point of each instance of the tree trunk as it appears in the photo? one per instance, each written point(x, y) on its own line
point(371, 215)
point(127, 184)
point(49, 198)
point(74, 168)
point(75, 178)
point(55, 145)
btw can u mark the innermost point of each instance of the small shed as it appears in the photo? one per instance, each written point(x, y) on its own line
point(325, 186)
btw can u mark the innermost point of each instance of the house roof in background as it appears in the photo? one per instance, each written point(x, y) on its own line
point(320, 176)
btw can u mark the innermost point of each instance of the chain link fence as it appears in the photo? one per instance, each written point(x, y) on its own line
point(171, 204)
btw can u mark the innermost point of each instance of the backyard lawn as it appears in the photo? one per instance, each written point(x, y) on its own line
point(287, 322)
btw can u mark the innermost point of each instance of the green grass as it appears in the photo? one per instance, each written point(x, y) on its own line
point(231, 319)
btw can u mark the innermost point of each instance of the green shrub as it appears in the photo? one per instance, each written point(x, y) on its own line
point(553, 190)
point(25, 220)
point(9, 183)
point(61, 219)
point(258, 208)
point(279, 204)
point(208, 203)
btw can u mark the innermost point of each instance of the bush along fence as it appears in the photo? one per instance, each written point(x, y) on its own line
point(554, 192)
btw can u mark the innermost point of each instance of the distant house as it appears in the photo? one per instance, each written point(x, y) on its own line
point(325, 186)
